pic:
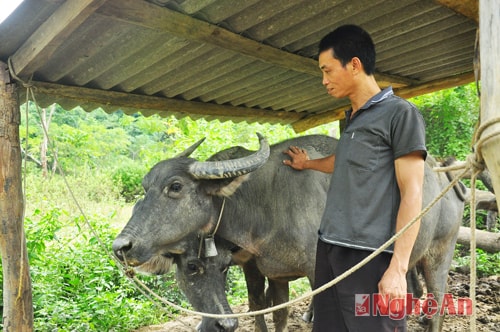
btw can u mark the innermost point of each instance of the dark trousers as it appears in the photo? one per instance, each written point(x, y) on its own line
point(334, 308)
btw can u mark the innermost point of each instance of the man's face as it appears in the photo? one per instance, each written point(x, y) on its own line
point(336, 78)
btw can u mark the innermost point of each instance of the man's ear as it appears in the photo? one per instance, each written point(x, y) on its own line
point(357, 65)
point(225, 187)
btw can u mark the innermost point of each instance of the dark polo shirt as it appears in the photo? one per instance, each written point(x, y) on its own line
point(363, 199)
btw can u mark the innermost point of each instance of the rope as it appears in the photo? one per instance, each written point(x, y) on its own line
point(25, 170)
point(215, 230)
point(30, 92)
point(220, 217)
point(475, 163)
point(325, 286)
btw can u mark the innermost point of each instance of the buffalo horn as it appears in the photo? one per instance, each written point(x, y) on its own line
point(234, 167)
point(188, 151)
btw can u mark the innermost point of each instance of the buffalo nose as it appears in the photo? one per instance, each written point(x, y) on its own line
point(121, 246)
point(227, 325)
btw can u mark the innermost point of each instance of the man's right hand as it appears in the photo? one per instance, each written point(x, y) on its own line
point(298, 158)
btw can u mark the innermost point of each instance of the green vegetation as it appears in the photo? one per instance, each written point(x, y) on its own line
point(76, 284)
point(486, 263)
point(450, 116)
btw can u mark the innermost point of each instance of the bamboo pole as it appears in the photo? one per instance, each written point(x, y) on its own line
point(17, 296)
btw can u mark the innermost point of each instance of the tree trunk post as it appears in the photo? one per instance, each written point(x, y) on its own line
point(489, 28)
point(17, 296)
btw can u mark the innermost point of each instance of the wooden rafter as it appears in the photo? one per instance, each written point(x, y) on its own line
point(468, 8)
point(187, 27)
point(51, 34)
point(405, 92)
point(161, 105)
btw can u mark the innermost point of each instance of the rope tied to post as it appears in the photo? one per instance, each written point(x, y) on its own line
point(28, 85)
point(474, 163)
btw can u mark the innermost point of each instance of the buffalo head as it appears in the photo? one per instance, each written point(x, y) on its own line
point(179, 200)
point(203, 280)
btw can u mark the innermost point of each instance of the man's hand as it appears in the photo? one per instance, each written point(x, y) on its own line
point(298, 156)
point(300, 161)
point(393, 286)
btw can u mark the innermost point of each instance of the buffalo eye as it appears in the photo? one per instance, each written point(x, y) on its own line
point(194, 267)
point(175, 187)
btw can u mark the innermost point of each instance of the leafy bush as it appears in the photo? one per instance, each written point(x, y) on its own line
point(76, 284)
point(78, 287)
point(128, 179)
point(486, 263)
point(446, 113)
point(236, 286)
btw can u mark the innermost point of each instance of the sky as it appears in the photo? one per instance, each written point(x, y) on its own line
point(7, 7)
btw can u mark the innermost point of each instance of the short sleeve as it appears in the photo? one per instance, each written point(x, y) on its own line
point(408, 131)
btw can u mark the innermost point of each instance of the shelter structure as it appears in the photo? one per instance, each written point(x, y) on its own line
point(239, 60)
point(252, 60)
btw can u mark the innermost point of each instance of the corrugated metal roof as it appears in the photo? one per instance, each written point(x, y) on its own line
point(245, 60)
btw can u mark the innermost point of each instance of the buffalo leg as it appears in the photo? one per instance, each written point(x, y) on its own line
point(435, 270)
point(308, 315)
point(256, 293)
point(414, 285)
point(277, 293)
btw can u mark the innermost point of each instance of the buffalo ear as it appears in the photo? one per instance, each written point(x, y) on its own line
point(225, 187)
point(157, 265)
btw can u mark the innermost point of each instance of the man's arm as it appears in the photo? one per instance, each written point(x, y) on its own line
point(410, 177)
point(300, 161)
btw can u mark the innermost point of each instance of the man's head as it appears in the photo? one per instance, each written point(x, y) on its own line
point(347, 42)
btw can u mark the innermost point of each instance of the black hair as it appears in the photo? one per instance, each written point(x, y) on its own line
point(349, 41)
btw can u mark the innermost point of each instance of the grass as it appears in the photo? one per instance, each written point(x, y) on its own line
point(77, 285)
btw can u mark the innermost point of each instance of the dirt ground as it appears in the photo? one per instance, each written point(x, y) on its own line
point(487, 304)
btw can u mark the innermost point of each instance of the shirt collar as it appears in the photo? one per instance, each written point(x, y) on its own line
point(384, 94)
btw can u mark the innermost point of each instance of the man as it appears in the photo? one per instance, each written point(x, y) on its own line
point(376, 187)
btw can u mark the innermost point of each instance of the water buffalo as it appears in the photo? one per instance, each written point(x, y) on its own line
point(272, 212)
point(196, 273)
point(183, 189)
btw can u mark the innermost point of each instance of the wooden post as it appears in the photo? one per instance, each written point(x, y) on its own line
point(17, 296)
point(489, 28)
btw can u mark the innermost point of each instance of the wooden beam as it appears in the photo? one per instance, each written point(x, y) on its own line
point(153, 17)
point(161, 105)
point(490, 88)
point(51, 34)
point(436, 85)
point(189, 28)
point(467, 8)
point(404, 92)
point(487, 241)
point(395, 81)
point(319, 119)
